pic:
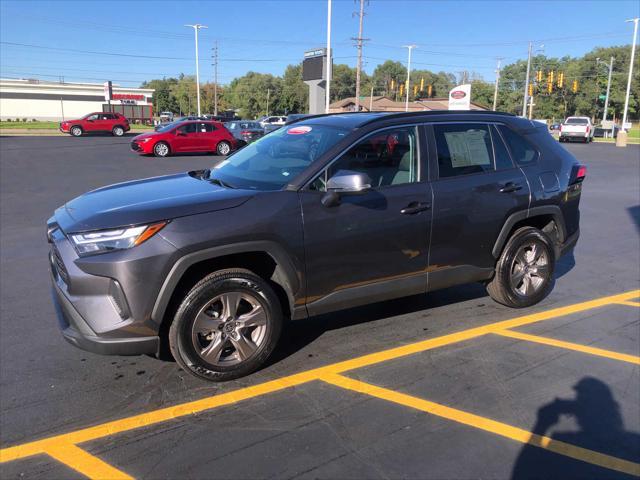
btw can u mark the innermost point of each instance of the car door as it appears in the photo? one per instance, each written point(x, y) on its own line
point(103, 123)
point(476, 186)
point(186, 139)
point(371, 246)
point(206, 137)
point(91, 123)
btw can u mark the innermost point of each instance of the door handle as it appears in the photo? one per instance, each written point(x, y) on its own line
point(510, 187)
point(415, 207)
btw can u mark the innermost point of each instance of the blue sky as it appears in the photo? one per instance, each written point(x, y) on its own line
point(265, 36)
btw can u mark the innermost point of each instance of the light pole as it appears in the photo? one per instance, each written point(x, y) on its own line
point(197, 27)
point(526, 83)
point(327, 99)
point(606, 98)
point(406, 102)
point(633, 53)
point(495, 90)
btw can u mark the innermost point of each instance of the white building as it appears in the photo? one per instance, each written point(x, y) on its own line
point(42, 100)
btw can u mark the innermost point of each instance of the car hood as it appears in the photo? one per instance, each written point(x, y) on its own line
point(145, 201)
point(146, 135)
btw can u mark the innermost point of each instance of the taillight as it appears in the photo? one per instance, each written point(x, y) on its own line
point(245, 132)
point(588, 130)
point(578, 174)
point(560, 128)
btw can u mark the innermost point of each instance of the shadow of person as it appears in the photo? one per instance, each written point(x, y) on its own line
point(601, 430)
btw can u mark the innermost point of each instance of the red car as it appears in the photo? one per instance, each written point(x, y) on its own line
point(115, 123)
point(182, 137)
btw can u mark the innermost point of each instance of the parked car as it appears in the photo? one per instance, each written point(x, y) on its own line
point(554, 126)
point(182, 137)
point(114, 123)
point(272, 123)
point(166, 117)
point(245, 130)
point(294, 117)
point(576, 128)
point(606, 132)
point(329, 213)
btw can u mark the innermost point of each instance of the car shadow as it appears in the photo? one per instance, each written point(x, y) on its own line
point(565, 264)
point(299, 334)
point(634, 212)
point(600, 429)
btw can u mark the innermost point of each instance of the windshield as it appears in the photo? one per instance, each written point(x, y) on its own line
point(167, 127)
point(273, 161)
point(576, 121)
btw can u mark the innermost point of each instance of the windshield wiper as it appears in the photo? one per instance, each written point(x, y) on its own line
point(220, 182)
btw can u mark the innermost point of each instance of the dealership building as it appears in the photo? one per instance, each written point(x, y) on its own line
point(42, 100)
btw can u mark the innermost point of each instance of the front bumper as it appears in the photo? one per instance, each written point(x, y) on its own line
point(144, 148)
point(104, 302)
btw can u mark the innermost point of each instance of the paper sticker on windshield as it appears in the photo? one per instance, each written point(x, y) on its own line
point(301, 130)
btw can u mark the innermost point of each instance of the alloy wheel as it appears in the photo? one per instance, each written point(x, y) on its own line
point(224, 148)
point(161, 149)
point(229, 329)
point(530, 269)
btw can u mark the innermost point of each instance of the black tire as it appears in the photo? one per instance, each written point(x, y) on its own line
point(117, 131)
point(76, 131)
point(223, 148)
point(501, 287)
point(218, 283)
point(161, 149)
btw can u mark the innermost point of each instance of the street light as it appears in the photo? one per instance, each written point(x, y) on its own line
point(633, 53)
point(406, 102)
point(197, 27)
point(606, 98)
point(327, 98)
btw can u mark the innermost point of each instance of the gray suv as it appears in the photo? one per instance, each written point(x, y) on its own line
point(330, 212)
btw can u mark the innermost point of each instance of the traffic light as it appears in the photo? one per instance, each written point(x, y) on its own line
point(560, 79)
point(574, 87)
point(539, 75)
point(429, 90)
point(422, 84)
point(401, 89)
point(531, 89)
point(393, 85)
point(550, 82)
point(415, 90)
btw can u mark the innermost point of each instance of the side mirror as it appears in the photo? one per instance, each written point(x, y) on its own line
point(345, 182)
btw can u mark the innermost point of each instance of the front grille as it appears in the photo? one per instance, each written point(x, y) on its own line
point(135, 146)
point(60, 268)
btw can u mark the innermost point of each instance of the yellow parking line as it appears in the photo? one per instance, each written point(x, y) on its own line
point(623, 357)
point(486, 424)
point(85, 463)
point(629, 303)
point(164, 414)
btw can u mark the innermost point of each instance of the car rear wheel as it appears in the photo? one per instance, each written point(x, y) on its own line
point(524, 272)
point(117, 131)
point(227, 326)
point(223, 148)
point(161, 149)
point(76, 131)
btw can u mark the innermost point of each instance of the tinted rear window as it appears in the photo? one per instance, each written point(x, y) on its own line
point(576, 121)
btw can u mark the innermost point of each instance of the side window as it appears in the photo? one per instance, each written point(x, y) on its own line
point(93, 117)
point(188, 128)
point(503, 160)
point(205, 128)
point(521, 150)
point(463, 149)
point(388, 158)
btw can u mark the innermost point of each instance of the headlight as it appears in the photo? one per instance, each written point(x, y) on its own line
point(103, 241)
point(146, 139)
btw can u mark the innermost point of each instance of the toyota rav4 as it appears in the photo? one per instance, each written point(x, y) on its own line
point(330, 212)
point(114, 123)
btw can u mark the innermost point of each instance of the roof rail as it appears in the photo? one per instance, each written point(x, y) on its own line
point(441, 112)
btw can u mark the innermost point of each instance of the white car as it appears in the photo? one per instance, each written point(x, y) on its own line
point(272, 123)
point(577, 128)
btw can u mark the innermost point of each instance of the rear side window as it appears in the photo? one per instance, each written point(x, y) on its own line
point(503, 160)
point(463, 149)
point(522, 151)
point(188, 128)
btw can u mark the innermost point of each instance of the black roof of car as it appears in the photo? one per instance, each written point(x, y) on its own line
point(352, 120)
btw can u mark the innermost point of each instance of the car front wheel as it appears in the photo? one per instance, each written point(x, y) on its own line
point(161, 149)
point(227, 326)
point(76, 131)
point(524, 272)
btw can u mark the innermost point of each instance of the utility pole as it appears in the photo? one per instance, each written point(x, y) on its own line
point(371, 98)
point(215, 79)
point(606, 98)
point(327, 98)
point(197, 27)
point(495, 90)
point(359, 41)
point(633, 54)
point(526, 83)
point(268, 92)
point(406, 102)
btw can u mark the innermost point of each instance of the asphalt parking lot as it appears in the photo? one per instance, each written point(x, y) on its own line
point(447, 385)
